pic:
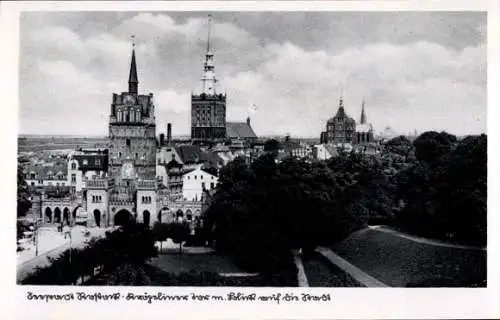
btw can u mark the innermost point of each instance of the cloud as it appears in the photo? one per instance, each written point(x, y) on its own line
point(70, 72)
point(421, 85)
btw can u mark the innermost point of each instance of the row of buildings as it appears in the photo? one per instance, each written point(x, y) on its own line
point(138, 177)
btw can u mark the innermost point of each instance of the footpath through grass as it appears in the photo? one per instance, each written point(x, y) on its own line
point(400, 262)
point(321, 273)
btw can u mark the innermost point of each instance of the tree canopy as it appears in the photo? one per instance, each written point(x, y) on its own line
point(263, 210)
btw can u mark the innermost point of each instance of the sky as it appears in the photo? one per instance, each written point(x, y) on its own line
point(415, 70)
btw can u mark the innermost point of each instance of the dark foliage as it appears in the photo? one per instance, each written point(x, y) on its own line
point(271, 145)
point(23, 202)
point(179, 233)
point(444, 193)
point(262, 211)
point(132, 245)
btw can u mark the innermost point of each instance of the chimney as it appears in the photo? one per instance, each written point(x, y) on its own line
point(248, 120)
point(162, 139)
point(169, 133)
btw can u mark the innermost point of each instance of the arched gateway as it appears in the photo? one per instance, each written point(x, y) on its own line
point(146, 218)
point(123, 218)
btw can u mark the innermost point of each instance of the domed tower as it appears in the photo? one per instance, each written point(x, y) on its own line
point(341, 128)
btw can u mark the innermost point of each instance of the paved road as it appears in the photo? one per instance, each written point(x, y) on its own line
point(27, 267)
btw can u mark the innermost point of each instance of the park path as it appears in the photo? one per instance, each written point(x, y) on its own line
point(301, 273)
point(423, 240)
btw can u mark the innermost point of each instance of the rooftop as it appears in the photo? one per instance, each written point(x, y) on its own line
point(240, 130)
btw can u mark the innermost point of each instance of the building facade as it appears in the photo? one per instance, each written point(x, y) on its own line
point(364, 130)
point(341, 128)
point(195, 182)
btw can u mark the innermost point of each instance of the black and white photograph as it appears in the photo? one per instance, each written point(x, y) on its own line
point(252, 149)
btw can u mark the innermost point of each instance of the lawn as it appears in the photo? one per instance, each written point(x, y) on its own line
point(400, 262)
point(177, 263)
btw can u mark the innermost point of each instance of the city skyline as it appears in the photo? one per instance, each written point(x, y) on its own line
point(423, 71)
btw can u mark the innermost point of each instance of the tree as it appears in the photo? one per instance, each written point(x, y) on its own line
point(23, 202)
point(179, 232)
point(444, 193)
point(431, 146)
point(161, 232)
point(271, 145)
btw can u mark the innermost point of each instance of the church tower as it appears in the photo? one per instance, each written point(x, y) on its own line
point(208, 109)
point(132, 132)
point(363, 115)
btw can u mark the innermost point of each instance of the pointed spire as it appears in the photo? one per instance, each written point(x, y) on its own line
point(209, 80)
point(363, 115)
point(209, 29)
point(132, 78)
point(341, 99)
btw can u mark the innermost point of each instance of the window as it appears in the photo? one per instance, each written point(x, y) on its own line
point(127, 142)
point(32, 176)
point(211, 185)
point(97, 162)
point(85, 162)
point(73, 166)
point(136, 155)
point(189, 177)
point(32, 184)
point(203, 185)
point(195, 177)
point(201, 177)
point(119, 154)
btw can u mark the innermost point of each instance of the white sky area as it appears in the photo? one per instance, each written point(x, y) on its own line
point(415, 70)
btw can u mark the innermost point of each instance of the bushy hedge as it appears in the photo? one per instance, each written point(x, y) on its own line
point(133, 245)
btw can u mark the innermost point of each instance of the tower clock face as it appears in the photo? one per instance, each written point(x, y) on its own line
point(127, 171)
point(128, 100)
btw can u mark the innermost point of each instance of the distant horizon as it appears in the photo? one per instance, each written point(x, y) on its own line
point(21, 135)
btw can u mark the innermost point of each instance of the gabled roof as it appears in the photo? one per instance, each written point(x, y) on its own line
point(42, 172)
point(239, 130)
point(173, 164)
point(189, 153)
point(201, 169)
